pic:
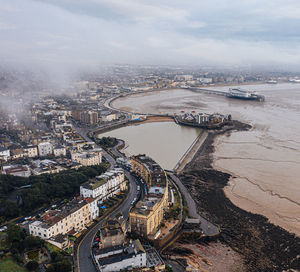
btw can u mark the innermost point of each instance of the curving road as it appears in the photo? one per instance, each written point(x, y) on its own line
point(84, 258)
point(84, 261)
point(207, 227)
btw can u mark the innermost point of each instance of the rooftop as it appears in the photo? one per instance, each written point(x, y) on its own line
point(145, 206)
point(51, 217)
point(124, 252)
point(149, 163)
point(94, 184)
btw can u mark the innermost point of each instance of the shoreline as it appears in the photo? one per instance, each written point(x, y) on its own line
point(110, 103)
point(149, 119)
point(263, 245)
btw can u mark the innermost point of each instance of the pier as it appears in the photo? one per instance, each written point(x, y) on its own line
point(207, 91)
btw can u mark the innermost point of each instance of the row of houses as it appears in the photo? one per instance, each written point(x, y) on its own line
point(70, 218)
point(89, 157)
point(77, 214)
point(147, 215)
point(41, 150)
point(54, 165)
point(104, 186)
point(114, 252)
point(93, 117)
point(203, 118)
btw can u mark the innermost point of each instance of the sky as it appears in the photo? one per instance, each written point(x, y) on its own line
point(87, 33)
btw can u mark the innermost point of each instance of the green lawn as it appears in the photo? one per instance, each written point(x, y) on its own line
point(7, 264)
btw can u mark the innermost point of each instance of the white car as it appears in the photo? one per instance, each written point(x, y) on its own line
point(3, 228)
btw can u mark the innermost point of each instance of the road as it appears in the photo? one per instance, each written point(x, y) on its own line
point(84, 258)
point(83, 132)
point(207, 227)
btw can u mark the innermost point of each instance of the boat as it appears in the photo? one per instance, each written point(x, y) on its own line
point(239, 93)
point(271, 81)
point(294, 80)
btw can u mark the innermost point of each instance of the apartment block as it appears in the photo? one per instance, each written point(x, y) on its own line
point(59, 150)
point(104, 186)
point(112, 234)
point(72, 217)
point(119, 258)
point(31, 151)
point(4, 153)
point(45, 149)
point(146, 217)
point(88, 158)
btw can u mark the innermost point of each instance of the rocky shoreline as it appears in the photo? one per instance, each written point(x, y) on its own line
point(264, 246)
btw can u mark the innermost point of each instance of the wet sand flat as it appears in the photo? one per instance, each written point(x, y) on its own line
point(264, 161)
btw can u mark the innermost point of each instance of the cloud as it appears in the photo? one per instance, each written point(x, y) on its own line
point(6, 26)
point(82, 33)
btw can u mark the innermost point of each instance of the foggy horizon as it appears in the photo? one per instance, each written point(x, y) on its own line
point(64, 36)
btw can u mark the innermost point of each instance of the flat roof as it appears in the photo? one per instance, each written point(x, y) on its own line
point(127, 252)
point(94, 184)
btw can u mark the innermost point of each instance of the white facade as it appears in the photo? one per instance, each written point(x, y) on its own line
point(4, 153)
point(183, 77)
point(88, 158)
point(104, 186)
point(94, 208)
point(205, 80)
point(45, 149)
point(109, 117)
point(31, 151)
point(19, 171)
point(61, 221)
point(202, 118)
point(59, 151)
point(138, 260)
point(120, 258)
point(98, 192)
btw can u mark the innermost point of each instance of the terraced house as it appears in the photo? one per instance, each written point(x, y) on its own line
point(107, 185)
point(88, 158)
point(145, 218)
point(148, 169)
point(72, 217)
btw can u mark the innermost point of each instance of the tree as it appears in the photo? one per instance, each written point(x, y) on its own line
point(15, 233)
point(44, 189)
point(32, 242)
point(56, 257)
point(11, 209)
point(63, 266)
point(32, 265)
point(16, 236)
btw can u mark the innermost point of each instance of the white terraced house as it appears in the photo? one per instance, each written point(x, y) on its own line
point(104, 186)
point(73, 216)
point(93, 157)
point(45, 149)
